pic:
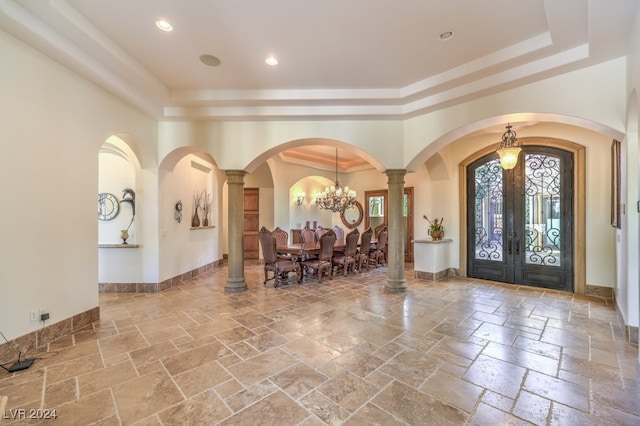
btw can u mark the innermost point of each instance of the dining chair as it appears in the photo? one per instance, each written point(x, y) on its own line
point(362, 256)
point(347, 258)
point(339, 233)
point(323, 263)
point(379, 229)
point(282, 240)
point(308, 235)
point(281, 267)
point(379, 255)
point(320, 231)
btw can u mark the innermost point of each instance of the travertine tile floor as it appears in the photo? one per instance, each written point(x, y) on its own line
point(343, 352)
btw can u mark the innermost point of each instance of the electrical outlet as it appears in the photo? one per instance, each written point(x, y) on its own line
point(33, 315)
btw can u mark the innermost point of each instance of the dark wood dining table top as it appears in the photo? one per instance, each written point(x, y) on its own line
point(310, 248)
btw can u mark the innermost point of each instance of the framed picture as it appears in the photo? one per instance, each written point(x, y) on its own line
point(615, 184)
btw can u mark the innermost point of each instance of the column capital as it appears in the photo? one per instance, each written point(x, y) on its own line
point(396, 175)
point(235, 176)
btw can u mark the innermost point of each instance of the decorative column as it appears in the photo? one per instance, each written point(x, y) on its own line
point(235, 279)
point(395, 250)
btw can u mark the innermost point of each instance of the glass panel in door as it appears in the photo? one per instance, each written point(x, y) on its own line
point(543, 204)
point(488, 218)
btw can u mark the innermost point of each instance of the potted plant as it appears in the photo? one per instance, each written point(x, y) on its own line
point(436, 230)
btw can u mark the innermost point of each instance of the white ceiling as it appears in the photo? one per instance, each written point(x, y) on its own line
point(364, 59)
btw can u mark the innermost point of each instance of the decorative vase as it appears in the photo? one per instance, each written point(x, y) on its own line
point(206, 221)
point(124, 234)
point(437, 235)
point(195, 220)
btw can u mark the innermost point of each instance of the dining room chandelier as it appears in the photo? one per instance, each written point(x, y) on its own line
point(336, 198)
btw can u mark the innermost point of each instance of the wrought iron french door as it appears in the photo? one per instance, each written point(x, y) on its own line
point(520, 221)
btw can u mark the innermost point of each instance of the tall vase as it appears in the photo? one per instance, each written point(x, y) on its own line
point(195, 220)
point(205, 222)
point(124, 234)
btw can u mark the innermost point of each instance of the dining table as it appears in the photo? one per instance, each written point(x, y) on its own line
point(311, 249)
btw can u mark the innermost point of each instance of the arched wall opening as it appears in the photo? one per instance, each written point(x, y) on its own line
point(189, 214)
point(119, 180)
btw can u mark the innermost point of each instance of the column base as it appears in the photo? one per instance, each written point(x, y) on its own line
point(235, 286)
point(393, 286)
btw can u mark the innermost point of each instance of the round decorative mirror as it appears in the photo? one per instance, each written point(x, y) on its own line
point(352, 217)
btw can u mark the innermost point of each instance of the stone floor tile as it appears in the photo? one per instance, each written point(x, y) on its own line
point(266, 340)
point(496, 375)
point(324, 408)
point(204, 408)
point(348, 390)
point(372, 415)
point(313, 352)
point(456, 351)
point(105, 378)
point(525, 359)
point(145, 396)
point(256, 392)
point(276, 409)
point(488, 415)
point(616, 397)
point(532, 408)
point(199, 379)
point(298, 380)
point(359, 363)
point(261, 366)
point(415, 407)
point(453, 391)
point(558, 390)
point(411, 367)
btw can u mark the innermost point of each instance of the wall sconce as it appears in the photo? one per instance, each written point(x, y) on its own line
point(509, 149)
point(300, 198)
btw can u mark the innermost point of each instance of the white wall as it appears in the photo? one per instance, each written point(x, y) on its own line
point(183, 249)
point(53, 124)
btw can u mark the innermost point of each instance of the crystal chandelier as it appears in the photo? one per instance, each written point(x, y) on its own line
point(336, 198)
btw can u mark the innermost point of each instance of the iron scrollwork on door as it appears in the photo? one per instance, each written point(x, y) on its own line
point(542, 210)
point(488, 212)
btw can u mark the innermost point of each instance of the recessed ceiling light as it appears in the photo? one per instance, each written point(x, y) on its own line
point(271, 61)
point(445, 35)
point(210, 60)
point(164, 25)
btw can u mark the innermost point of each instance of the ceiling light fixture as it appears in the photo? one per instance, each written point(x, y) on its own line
point(509, 149)
point(164, 25)
point(335, 198)
point(271, 61)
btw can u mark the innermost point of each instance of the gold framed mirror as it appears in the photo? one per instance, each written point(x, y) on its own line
point(352, 217)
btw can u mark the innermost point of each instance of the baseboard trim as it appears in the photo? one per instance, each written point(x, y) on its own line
point(161, 286)
point(437, 276)
point(27, 343)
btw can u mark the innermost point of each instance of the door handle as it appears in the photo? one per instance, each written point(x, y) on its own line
point(509, 246)
point(517, 247)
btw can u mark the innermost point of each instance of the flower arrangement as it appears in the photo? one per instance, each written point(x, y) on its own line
point(436, 230)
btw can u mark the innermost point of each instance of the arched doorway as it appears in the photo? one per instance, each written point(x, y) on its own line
point(521, 221)
point(578, 237)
